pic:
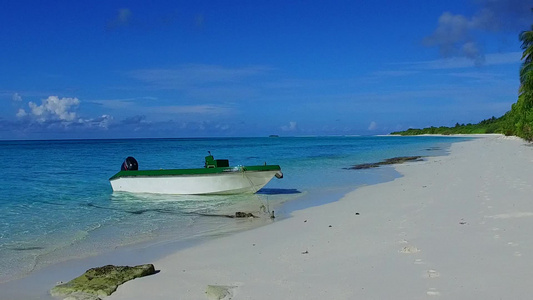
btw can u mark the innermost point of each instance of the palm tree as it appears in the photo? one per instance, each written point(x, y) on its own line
point(524, 105)
point(526, 71)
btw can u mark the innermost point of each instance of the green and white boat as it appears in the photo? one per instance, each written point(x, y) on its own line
point(217, 177)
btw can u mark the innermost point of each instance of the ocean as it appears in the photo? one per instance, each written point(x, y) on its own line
point(56, 203)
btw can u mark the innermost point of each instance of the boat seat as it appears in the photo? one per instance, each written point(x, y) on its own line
point(211, 162)
point(222, 163)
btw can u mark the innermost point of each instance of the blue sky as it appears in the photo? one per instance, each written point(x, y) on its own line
point(124, 69)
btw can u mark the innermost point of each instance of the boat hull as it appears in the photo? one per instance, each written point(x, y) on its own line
point(227, 181)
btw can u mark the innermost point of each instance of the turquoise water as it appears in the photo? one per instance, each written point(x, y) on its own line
point(56, 202)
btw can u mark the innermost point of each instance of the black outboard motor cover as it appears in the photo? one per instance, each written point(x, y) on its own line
point(130, 164)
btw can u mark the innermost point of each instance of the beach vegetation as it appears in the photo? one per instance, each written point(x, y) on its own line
point(517, 122)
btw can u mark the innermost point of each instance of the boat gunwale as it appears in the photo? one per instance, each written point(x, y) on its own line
point(194, 172)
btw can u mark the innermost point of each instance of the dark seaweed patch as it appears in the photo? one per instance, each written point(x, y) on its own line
point(389, 161)
point(27, 248)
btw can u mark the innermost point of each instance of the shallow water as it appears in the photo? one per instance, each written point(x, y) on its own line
point(56, 202)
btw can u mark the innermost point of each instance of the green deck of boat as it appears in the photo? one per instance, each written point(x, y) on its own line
point(199, 171)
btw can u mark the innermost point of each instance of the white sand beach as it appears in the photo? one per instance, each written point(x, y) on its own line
point(453, 227)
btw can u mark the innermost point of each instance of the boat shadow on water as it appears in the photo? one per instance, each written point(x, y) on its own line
point(278, 191)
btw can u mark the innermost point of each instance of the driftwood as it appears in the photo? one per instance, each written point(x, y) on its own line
point(237, 215)
point(241, 214)
point(389, 161)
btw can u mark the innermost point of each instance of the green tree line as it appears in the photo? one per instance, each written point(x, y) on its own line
point(518, 121)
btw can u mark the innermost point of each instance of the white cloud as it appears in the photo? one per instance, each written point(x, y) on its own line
point(121, 104)
point(457, 35)
point(222, 127)
point(56, 114)
point(293, 126)
point(395, 73)
point(122, 19)
point(451, 31)
point(124, 15)
point(492, 59)
point(191, 109)
point(17, 97)
point(373, 125)
point(195, 75)
point(21, 113)
point(102, 122)
point(52, 109)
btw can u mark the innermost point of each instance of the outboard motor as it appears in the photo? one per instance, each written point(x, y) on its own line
point(130, 164)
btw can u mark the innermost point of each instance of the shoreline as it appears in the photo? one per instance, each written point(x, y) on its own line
point(147, 252)
point(37, 284)
point(454, 226)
